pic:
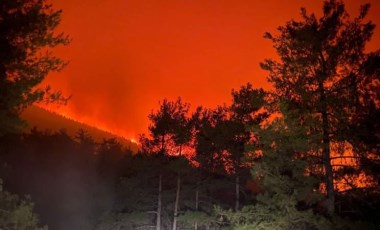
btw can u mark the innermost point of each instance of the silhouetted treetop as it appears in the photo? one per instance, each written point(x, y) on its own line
point(326, 78)
point(26, 36)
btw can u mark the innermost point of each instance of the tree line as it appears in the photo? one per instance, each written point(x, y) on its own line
point(303, 155)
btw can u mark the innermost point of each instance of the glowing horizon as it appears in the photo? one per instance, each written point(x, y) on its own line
point(126, 56)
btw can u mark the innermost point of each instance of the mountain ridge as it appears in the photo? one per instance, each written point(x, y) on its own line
point(44, 119)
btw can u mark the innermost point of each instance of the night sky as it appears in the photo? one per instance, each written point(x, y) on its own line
point(127, 55)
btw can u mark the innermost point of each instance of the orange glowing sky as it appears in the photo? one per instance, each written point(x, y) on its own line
point(126, 55)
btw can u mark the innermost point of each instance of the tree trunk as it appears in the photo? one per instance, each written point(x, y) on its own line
point(328, 168)
point(176, 202)
point(163, 144)
point(237, 192)
point(329, 177)
point(158, 222)
point(196, 207)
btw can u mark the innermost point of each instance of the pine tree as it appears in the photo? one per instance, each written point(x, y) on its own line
point(26, 36)
point(322, 75)
point(170, 133)
point(288, 193)
point(222, 134)
point(246, 109)
point(208, 150)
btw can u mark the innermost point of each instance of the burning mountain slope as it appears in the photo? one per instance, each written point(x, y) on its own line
point(46, 120)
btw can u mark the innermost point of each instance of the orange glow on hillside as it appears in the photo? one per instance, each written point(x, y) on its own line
point(126, 55)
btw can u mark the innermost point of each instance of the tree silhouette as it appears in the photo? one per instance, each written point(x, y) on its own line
point(321, 75)
point(26, 36)
point(246, 109)
point(170, 132)
point(288, 194)
point(208, 150)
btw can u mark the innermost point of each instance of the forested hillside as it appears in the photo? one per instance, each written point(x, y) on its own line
point(42, 119)
point(302, 155)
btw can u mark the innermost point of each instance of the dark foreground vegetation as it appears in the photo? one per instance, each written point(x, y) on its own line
point(304, 155)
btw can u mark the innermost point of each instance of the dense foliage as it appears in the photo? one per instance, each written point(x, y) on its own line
point(26, 38)
point(304, 155)
point(328, 81)
point(16, 213)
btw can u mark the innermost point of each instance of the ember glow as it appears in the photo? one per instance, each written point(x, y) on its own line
point(126, 56)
